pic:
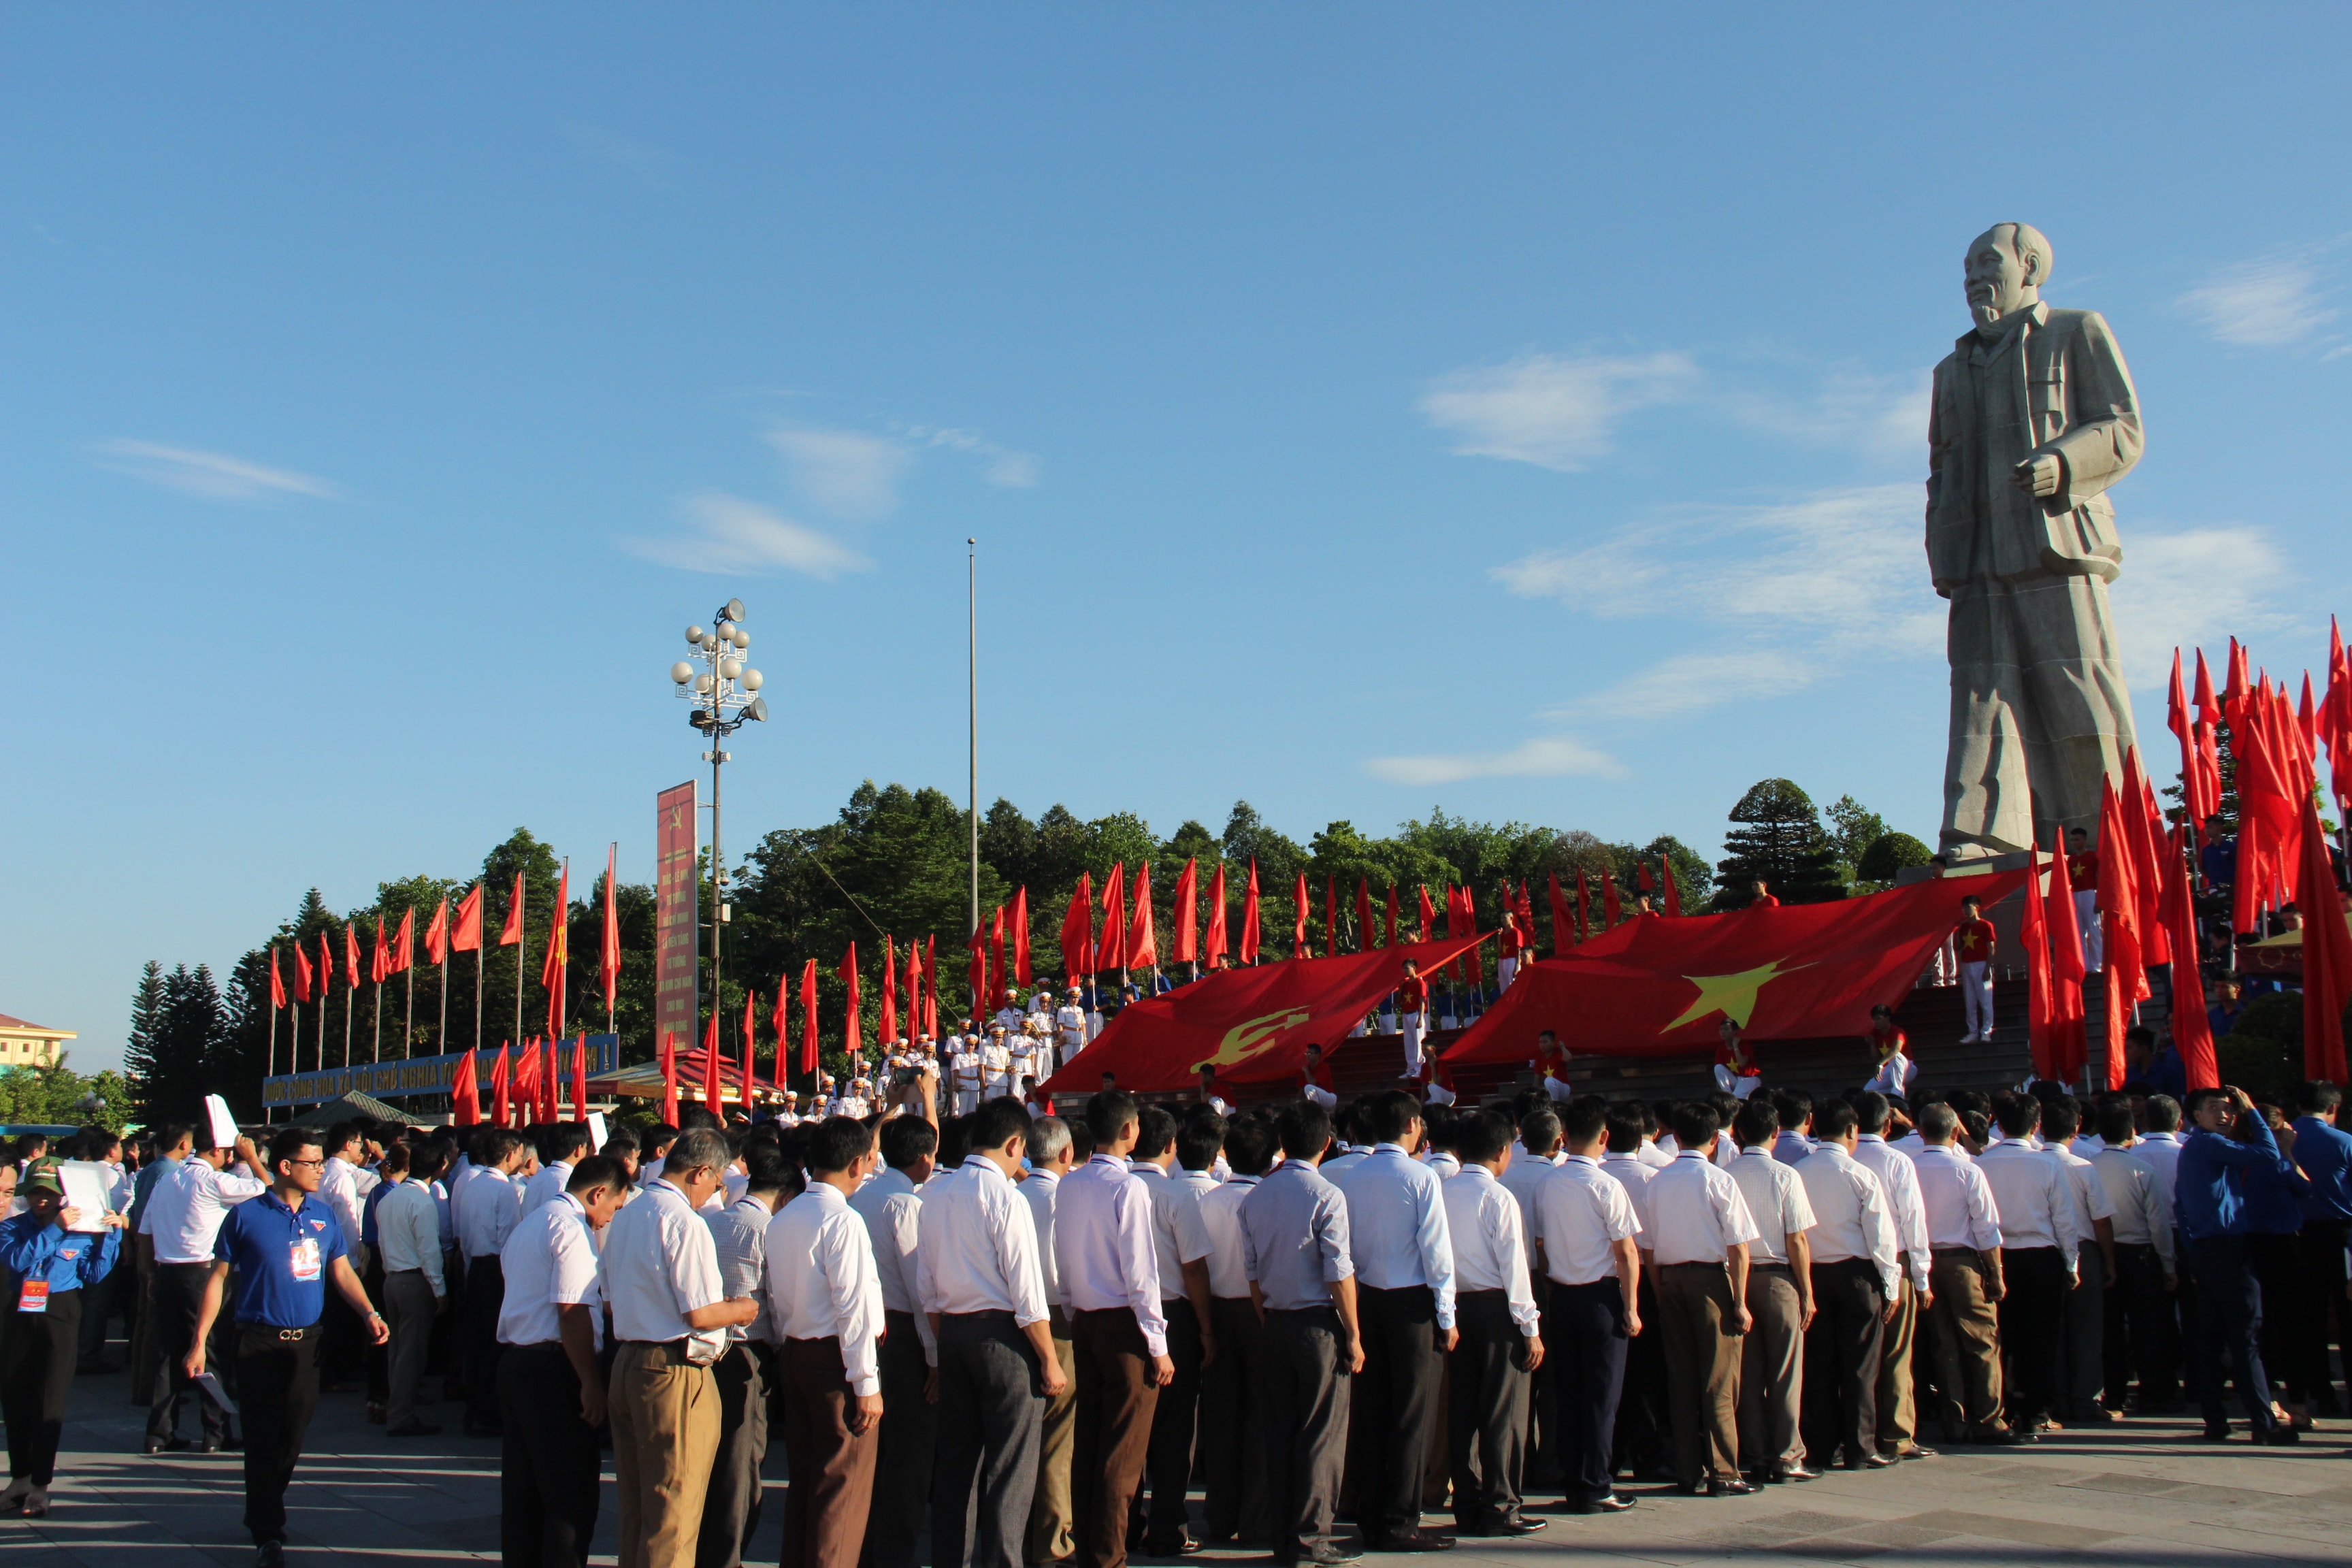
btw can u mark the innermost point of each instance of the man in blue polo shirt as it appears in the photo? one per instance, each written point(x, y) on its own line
point(284, 1246)
point(2209, 1196)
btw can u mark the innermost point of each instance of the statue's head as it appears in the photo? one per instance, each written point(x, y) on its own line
point(2007, 267)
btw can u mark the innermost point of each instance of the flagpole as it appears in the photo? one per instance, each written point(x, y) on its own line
point(441, 1040)
point(351, 991)
point(408, 1018)
point(612, 868)
point(477, 994)
point(972, 590)
point(375, 1051)
point(269, 1059)
point(522, 941)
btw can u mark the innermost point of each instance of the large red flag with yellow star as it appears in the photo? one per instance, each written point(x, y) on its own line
point(1661, 987)
point(1253, 1024)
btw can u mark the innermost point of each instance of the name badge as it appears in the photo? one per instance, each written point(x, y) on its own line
point(35, 1297)
point(305, 1260)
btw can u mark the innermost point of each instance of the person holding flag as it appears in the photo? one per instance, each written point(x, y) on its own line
point(1412, 1013)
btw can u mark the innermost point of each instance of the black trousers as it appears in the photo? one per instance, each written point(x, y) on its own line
point(1585, 1345)
point(2229, 1323)
point(1486, 1409)
point(37, 1354)
point(277, 1390)
point(730, 1507)
point(1168, 1465)
point(2277, 1263)
point(1840, 1411)
point(2324, 1309)
point(2032, 1323)
point(1307, 1396)
point(1642, 1435)
point(1392, 1418)
point(902, 1468)
point(992, 1415)
point(548, 1464)
point(485, 1293)
point(2139, 1325)
point(1233, 1415)
point(179, 1296)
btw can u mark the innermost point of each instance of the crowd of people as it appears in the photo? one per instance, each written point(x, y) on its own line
point(1028, 1336)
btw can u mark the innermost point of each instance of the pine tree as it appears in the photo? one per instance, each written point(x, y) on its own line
point(1781, 843)
point(139, 1051)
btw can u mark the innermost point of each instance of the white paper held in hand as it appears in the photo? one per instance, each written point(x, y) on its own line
point(212, 1385)
point(85, 1182)
point(223, 1124)
point(596, 1132)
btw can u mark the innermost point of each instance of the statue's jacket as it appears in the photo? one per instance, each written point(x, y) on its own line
point(2056, 383)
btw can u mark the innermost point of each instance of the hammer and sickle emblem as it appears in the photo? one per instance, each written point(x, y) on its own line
point(1247, 1039)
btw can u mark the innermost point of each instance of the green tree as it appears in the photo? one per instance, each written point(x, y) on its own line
point(1852, 829)
point(1779, 841)
point(1888, 856)
point(178, 1028)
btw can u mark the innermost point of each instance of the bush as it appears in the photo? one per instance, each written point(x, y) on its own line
point(1888, 854)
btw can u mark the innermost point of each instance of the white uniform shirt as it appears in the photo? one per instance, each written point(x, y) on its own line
point(995, 1065)
point(1634, 1176)
point(976, 1246)
point(339, 1188)
point(1108, 1220)
point(2131, 1193)
point(549, 1262)
point(822, 1281)
point(1696, 1211)
point(1581, 1210)
point(486, 1212)
point(547, 1186)
point(1523, 1175)
point(1776, 1202)
point(659, 1264)
point(892, 1207)
point(2161, 1151)
point(1070, 1025)
point(1851, 1218)
point(2090, 1201)
point(408, 1232)
point(2035, 1197)
point(963, 1068)
point(1657, 1153)
point(1221, 1217)
point(1040, 1190)
point(1791, 1146)
point(1955, 1199)
point(1177, 1237)
point(1900, 1182)
point(186, 1205)
point(1490, 1245)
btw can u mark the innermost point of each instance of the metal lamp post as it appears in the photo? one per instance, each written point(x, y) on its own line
point(726, 698)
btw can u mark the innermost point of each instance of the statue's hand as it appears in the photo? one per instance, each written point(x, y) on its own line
point(2040, 476)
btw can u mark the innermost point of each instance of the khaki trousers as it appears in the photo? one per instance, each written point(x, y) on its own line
point(831, 1468)
point(1771, 1370)
point(1052, 1525)
point(665, 1436)
point(1112, 1433)
point(1898, 1414)
point(1702, 1355)
point(1964, 1335)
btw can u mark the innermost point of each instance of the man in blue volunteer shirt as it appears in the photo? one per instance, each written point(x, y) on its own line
point(2230, 1140)
point(50, 1262)
point(284, 1246)
point(2323, 1153)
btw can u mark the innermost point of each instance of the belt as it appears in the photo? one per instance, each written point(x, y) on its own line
point(1959, 1252)
point(671, 1353)
point(988, 1314)
point(1585, 1284)
point(542, 1346)
point(1497, 1293)
point(270, 1330)
point(1718, 1267)
point(1769, 1268)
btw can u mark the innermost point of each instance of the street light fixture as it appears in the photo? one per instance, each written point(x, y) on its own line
point(723, 692)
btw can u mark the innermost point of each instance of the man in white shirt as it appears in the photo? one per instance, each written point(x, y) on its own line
point(563, 1148)
point(1898, 1420)
point(182, 1220)
point(1053, 1519)
point(745, 1373)
point(1796, 1138)
point(1583, 1231)
point(1699, 1242)
point(1779, 1299)
point(2139, 1303)
point(996, 1063)
point(487, 1209)
point(551, 1383)
point(670, 1314)
point(964, 1073)
point(2082, 1360)
point(1642, 1427)
point(824, 1298)
point(891, 1205)
point(1070, 1026)
point(1105, 1256)
point(977, 1275)
point(408, 1241)
point(1177, 1176)
point(1856, 1289)
point(1964, 1236)
point(1502, 1342)
point(1232, 1400)
point(2040, 1246)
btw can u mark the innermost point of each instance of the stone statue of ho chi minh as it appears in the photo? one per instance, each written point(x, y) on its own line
point(2033, 418)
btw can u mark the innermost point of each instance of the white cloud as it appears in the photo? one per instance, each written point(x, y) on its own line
point(1884, 415)
point(727, 534)
point(1555, 412)
point(848, 472)
point(1003, 466)
point(2272, 301)
point(2198, 586)
point(1689, 682)
point(215, 475)
point(1547, 756)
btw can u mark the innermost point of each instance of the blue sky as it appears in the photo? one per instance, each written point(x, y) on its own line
point(1514, 409)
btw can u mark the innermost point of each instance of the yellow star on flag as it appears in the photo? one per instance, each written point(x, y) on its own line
point(1733, 995)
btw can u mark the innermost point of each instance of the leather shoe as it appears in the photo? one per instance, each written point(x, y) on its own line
point(169, 1445)
point(1412, 1541)
point(1869, 1462)
point(2278, 1436)
point(1615, 1502)
point(1992, 1436)
point(1796, 1472)
point(1333, 1554)
point(1182, 1546)
point(1728, 1486)
point(1513, 1524)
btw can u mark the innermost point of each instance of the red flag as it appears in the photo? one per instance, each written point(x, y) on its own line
point(995, 962)
point(1213, 943)
point(1563, 927)
point(1609, 907)
point(2184, 729)
point(1673, 894)
point(779, 1020)
point(1078, 931)
point(1331, 914)
point(380, 960)
point(301, 973)
point(886, 1029)
point(1187, 914)
point(1389, 930)
point(437, 934)
point(608, 953)
point(467, 935)
point(464, 1094)
point(513, 932)
point(808, 1022)
point(669, 1076)
point(2155, 845)
point(403, 944)
point(1641, 876)
point(1428, 912)
point(2034, 935)
point(1112, 953)
point(2069, 1047)
point(551, 1085)
point(350, 955)
point(1299, 947)
point(851, 1033)
point(2237, 682)
point(1583, 906)
point(1474, 958)
point(1250, 933)
point(2119, 923)
point(2336, 718)
point(2192, 1031)
point(1022, 973)
point(713, 1100)
point(932, 988)
point(580, 1080)
point(914, 1030)
point(277, 985)
point(749, 1078)
point(2209, 766)
point(2327, 952)
point(2208, 709)
point(1366, 932)
point(2306, 720)
point(979, 967)
point(522, 1082)
point(498, 1087)
point(555, 973)
point(326, 967)
point(1143, 930)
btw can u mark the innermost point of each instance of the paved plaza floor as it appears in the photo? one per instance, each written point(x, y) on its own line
point(2142, 1492)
